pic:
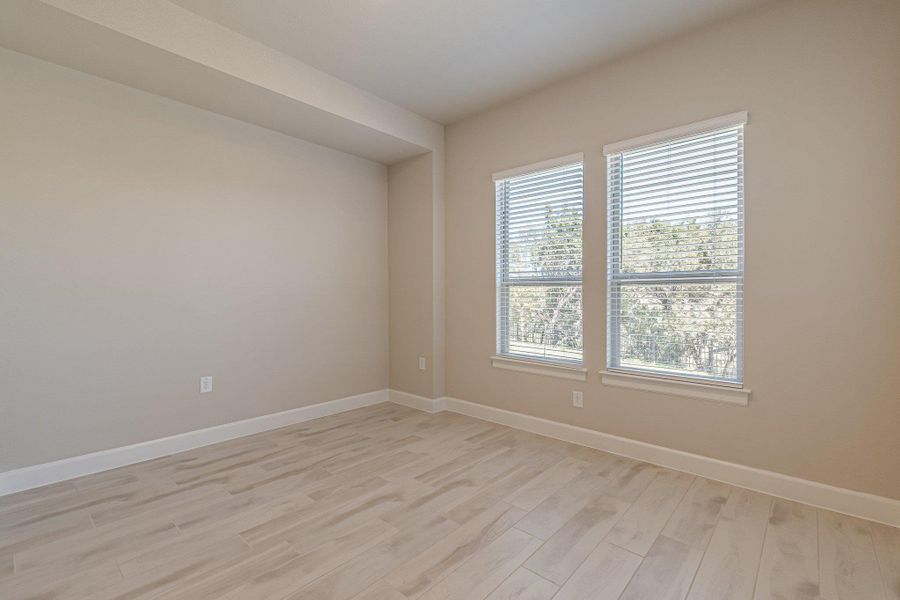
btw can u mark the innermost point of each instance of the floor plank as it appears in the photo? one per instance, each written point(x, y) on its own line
point(289, 578)
point(551, 514)
point(414, 577)
point(486, 569)
point(545, 484)
point(789, 566)
point(693, 521)
point(887, 549)
point(364, 574)
point(567, 548)
point(848, 567)
point(50, 583)
point(6, 564)
point(524, 585)
point(602, 576)
point(666, 573)
point(637, 529)
point(731, 560)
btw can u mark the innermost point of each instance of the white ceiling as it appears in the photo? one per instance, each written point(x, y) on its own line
point(446, 59)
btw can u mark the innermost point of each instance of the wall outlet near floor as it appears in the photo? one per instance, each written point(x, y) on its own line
point(421, 363)
point(206, 384)
point(578, 399)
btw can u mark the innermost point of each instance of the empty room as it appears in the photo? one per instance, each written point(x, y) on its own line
point(450, 299)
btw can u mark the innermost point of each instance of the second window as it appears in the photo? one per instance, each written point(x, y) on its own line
point(676, 257)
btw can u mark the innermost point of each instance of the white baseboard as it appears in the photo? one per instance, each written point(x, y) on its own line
point(431, 405)
point(69, 468)
point(858, 504)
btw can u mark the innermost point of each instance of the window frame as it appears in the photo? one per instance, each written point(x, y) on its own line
point(504, 359)
point(668, 381)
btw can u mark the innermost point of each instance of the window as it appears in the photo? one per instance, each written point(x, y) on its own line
point(539, 230)
point(676, 252)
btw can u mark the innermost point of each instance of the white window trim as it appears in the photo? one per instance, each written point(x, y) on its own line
point(723, 122)
point(544, 165)
point(537, 367)
point(716, 392)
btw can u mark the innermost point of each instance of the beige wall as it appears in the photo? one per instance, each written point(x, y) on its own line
point(144, 243)
point(416, 266)
point(820, 81)
point(411, 274)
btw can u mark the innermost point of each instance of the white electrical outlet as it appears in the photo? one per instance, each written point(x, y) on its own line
point(421, 363)
point(206, 384)
point(578, 399)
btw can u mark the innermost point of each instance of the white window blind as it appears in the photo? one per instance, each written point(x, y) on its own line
point(676, 256)
point(539, 251)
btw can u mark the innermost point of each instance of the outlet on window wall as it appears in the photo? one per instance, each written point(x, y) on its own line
point(578, 399)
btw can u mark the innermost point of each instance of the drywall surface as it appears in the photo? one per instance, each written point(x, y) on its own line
point(144, 243)
point(411, 251)
point(821, 82)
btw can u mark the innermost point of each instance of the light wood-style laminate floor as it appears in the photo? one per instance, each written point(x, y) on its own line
point(388, 503)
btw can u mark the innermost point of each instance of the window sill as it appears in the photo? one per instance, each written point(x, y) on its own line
point(674, 387)
point(536, 367)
